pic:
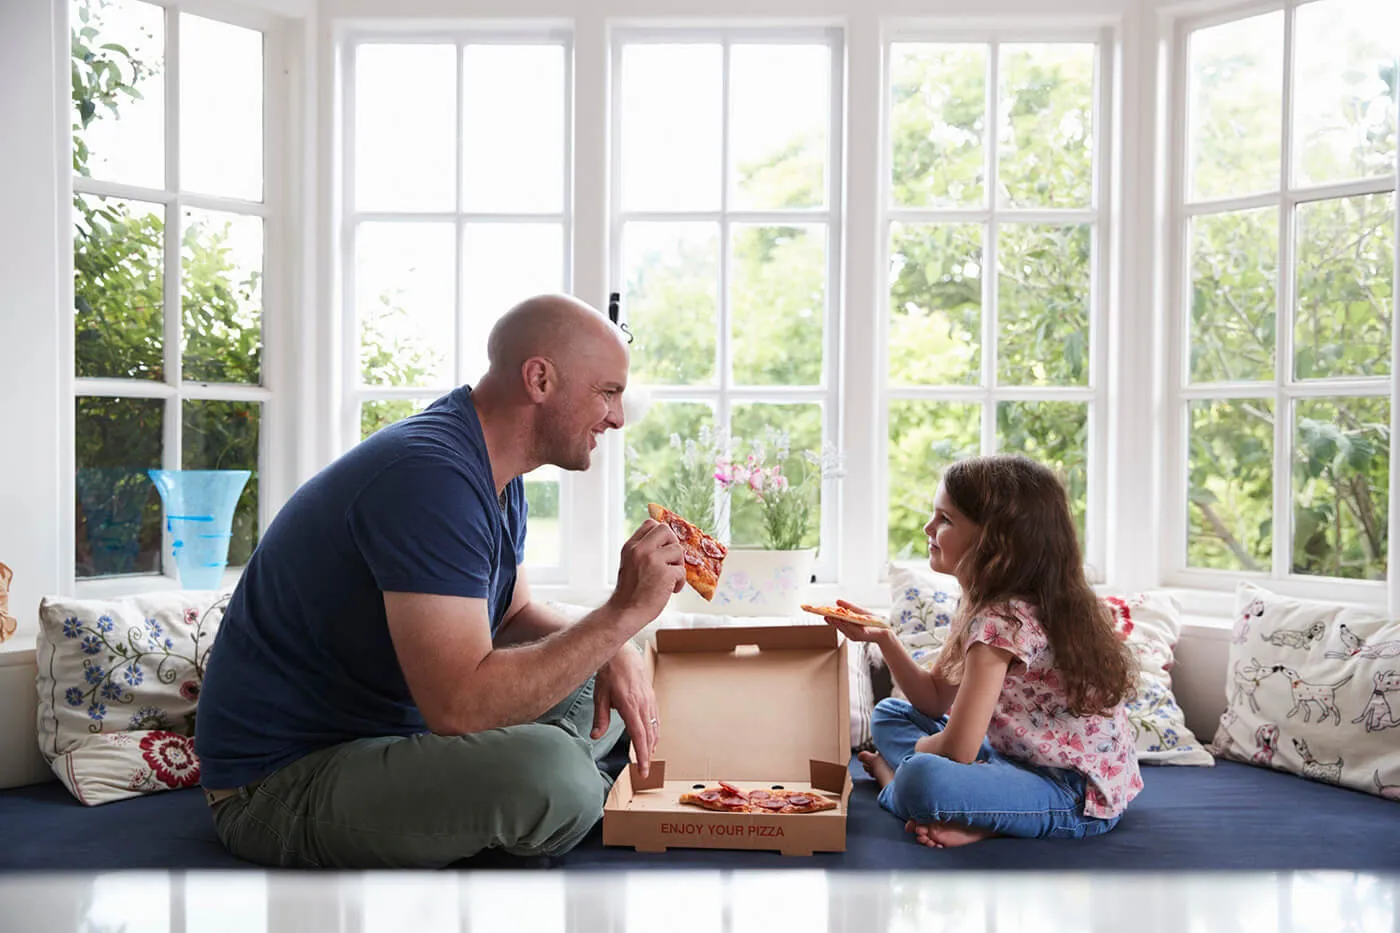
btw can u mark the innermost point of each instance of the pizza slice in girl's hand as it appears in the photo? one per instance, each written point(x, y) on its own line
point(848, 615)
point(704, 556)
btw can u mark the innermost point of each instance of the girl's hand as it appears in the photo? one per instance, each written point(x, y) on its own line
point(857, 632)
point(930, 744)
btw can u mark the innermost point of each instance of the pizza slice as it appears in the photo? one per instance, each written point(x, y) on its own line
point(704, 556)
point(788, 801)
point(848, 615)
point(726, 798)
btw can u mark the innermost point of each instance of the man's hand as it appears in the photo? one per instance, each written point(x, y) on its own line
point(622, 684)
point(652, 569)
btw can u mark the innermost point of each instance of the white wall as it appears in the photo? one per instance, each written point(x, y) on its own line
point(35, 409)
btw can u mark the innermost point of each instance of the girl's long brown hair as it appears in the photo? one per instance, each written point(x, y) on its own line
point(1029, 550)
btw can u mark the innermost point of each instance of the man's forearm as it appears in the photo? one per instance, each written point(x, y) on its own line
point(517, 684)
point(534, 621)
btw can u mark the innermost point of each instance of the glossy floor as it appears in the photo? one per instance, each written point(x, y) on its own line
point(695, 902)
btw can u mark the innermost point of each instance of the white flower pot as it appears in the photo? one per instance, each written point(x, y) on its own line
point(755, 582)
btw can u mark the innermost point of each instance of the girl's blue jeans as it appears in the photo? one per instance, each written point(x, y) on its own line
point(996, 793)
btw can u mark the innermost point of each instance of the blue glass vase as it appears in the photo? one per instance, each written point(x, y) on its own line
point(199, 507)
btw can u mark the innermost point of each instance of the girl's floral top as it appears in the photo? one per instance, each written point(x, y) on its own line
point(1032, 721)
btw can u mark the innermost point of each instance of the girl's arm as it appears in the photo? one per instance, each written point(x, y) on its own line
point(984, 672)
point(930, 693)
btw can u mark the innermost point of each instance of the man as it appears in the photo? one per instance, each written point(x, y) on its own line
point(384, 692)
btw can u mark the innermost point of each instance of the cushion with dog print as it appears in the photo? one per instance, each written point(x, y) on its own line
point(1313, 689)
point(119, 680)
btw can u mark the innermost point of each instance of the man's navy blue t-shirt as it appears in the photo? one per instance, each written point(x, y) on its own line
point(303, 659)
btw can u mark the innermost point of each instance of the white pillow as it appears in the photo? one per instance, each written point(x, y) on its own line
point(924, 603)
point(1314, 689)
point(118, 683)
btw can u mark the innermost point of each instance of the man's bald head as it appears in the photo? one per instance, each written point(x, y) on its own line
point(559, 328)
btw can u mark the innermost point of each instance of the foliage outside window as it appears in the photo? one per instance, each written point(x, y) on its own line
point(1288, 240)
point(993, 229)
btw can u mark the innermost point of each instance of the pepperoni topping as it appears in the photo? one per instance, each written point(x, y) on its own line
point(799, 800)
point(771, 803)
point(692, 560)
point(681, 529)
point(732, 801)
point(712, 548)
point(709, 795)
point(734, 790)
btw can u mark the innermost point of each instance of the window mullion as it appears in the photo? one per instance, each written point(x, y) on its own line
point(459, 226)
point(1283, 363)
point(171, 440)
point(725, 413)
point(989, 263)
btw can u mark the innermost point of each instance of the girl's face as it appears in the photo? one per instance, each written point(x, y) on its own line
point(951, 534)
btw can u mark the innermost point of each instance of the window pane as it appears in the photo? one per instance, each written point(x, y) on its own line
point(1234, 105)
point(221, 294)
point(1234, 268)
point(423, 903)
point(671, 276)
point(384, 412)
point(405, 154)
point(801, 427)
point(924, 438)
point(938, 114)
point(935, 335)
point(1231, 485)
point(663, 468)
point(502, 265)
point(1359, 902)
point(118, 288)
point(1043, 304)
point(1344, 90)
point(1057, 435)
point(119, 91)
point(803, 906)
point(1045, 146)
point(542, 541)
point(778, 315)
point(118, 508)
point(221, 108)
point(522, 903)
point(780, 106)
point(1341, 487)
point(404, 299)
point(651, 895)
point(1345, 287)
point(672, 112)
point(224, 436)
point(513, 128)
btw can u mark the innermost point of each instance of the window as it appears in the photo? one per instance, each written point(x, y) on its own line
point(457, 209)
point(170, 216)
point(1286, 275)
point(726, 244)
point(994, 208)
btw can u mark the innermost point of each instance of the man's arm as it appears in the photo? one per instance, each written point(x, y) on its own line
point(462, 684)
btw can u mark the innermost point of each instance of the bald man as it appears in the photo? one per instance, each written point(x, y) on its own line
point(384, 692)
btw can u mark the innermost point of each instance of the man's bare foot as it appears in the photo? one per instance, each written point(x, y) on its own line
point(945, 835)
point(877, 767)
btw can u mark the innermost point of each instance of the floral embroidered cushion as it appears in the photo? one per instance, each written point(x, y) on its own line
point(923, 604)
point(1313, 689)
point(118, 683)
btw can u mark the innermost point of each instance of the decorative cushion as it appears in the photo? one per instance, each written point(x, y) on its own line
point(8, 624)
point(1313, 690)
point(923, 604)
point(1150, 624)
point(118, 683)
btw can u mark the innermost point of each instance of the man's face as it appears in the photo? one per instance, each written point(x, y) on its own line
point(589, 402)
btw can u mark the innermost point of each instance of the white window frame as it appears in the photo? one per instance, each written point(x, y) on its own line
point(275, 392)
point(352, 392)
point(723, 394)
point(1205, 589)
point(1102, 290)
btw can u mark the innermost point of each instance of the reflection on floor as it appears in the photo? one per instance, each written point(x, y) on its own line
point(694, 902)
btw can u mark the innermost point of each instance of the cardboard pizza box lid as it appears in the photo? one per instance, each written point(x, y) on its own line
point(763, 703)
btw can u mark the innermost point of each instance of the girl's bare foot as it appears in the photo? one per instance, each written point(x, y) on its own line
point(877, 767)
point(945, 835)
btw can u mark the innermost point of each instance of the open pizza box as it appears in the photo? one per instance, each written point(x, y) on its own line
point(754, 707)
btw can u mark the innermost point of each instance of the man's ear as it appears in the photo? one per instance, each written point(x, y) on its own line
point(540, 377)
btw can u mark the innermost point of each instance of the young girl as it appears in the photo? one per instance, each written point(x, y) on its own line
point(1019, 729)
